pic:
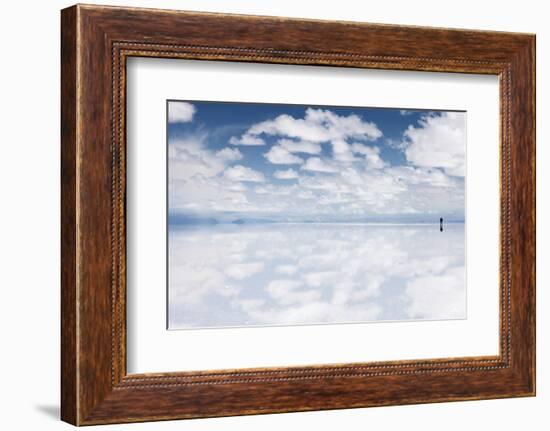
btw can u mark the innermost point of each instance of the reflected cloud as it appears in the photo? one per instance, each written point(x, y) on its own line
point(284, 274)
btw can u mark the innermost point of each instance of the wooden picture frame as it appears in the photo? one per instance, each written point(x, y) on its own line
point(95, 43)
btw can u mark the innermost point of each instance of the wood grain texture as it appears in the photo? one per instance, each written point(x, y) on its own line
point(96, 41)
point(69, 365)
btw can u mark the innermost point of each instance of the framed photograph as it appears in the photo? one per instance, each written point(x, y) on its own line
point(309, 216)
point(263, 214)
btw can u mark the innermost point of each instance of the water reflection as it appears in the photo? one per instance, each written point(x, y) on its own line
point(284, 274)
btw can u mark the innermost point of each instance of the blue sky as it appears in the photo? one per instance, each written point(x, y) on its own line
point(276, 162)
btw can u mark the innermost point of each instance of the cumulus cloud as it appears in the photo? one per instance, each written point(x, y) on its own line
point(341, 151)
point(247, 140)
point(287, 292)
point(316, 164)
point(441, 296)
point(230, 154)
point(371, 155)
point(288, 274)
point(278, 273)
point(318, 125)
point(343, 175)
point(286, 269)
point(243, 173)
point(180, 112)
point(300, 146)
point(316, 279)
point(241, 271)
point(288, 174)
point(281, 156)
point(190, 156)
point(438, 141)
point(279, 191)
point(196, 180)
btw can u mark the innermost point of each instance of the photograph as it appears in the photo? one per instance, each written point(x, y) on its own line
point(286, 214)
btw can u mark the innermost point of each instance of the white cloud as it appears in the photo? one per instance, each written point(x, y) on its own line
point(371, 289)
point(243, 173)
point(271, 189)
point(371, 154)
point(439, 141)
point(280, 156)
point(317, 279)
point(341, 151)
point(241, 271)
point(246, 140)
point(286, 269)
point(317, 311)
point(287, 292)
point(189, 157)
point(396, 144)
point(316, 164)
point(180, 112)
point(315, 274)
point(414, 176)
point(229, 154)
point(438, 296)
point(300, 146)
point(288, 174)
point(318, 125)
point(209, 195)
point(196, 182)
point(354, 183)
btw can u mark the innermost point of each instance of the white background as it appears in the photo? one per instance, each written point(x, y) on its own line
point(29, 217)
point(152, 349)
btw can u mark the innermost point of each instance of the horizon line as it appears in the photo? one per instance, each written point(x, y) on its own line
point(240, 222)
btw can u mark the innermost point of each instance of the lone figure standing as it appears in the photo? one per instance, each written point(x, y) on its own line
point(440, 224)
